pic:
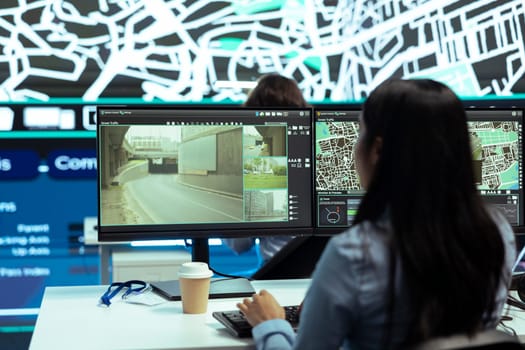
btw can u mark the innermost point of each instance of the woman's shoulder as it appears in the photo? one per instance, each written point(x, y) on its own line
point(363, 241)
point(503, 224)
point(364, 232)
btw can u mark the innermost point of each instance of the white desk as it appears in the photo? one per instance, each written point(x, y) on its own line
point(518, 319)
point(69, 318)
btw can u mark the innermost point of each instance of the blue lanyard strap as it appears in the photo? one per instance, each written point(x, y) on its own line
point(133, 286)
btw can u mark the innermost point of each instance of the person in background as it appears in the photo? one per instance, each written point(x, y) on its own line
point(424, 257)
point(272, 90)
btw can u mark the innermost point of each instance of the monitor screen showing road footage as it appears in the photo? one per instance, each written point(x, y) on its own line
point(497, 152)
point(166, 171)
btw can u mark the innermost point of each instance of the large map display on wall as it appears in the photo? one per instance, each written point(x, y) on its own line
point(197, 50)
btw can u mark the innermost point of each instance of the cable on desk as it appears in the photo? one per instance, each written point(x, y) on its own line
point(515, 302)
point(506, 328)
point(225, 275)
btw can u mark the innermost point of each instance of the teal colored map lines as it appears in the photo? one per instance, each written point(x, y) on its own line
point(496, 146)
point(335, 164)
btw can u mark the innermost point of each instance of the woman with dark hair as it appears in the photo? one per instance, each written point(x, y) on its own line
point(272, 90)
point(424, 257)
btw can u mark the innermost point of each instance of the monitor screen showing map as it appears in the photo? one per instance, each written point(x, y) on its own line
point(496, 136)
point(497, 145)
point(338, 191)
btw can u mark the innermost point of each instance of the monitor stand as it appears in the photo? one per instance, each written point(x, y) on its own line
point(219, 287)
point(297, 259)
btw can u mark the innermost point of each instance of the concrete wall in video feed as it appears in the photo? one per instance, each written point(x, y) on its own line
point(265, 173)
point(172, 174)
point(193, 174)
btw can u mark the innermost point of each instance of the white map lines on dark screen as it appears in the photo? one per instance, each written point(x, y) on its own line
point(496, 146)
point(334, 156)
point(175, 50)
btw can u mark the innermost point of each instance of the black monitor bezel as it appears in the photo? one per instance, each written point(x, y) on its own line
point(164, 232)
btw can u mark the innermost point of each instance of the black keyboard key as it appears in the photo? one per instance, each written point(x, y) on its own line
point(236, 323)
point(292, 314)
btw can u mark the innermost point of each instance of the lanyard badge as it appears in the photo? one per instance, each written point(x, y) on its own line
point(132, 287)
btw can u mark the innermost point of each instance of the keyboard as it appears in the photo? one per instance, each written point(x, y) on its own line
point(236, 323)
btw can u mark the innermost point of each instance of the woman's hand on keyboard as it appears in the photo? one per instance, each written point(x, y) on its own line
point(261, 307)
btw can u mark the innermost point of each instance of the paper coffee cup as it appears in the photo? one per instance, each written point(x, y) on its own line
point(194, 280)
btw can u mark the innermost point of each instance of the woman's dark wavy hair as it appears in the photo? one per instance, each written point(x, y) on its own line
point(450, 249)
point(275, 90)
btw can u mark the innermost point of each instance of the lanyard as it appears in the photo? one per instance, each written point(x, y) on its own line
point(132, 287)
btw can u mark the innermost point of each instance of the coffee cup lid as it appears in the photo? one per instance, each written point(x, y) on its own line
point(194, 270)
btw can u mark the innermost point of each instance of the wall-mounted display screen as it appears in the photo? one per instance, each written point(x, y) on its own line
point(337, 51)
point(48, 195)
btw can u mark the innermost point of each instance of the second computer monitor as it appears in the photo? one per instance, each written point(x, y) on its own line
point(496, 138)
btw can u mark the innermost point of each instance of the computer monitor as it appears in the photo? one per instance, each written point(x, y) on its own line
point(496, 135)
point(202, 171)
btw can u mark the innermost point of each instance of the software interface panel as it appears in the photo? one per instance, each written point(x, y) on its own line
point(497, 145)
point(337, 186)
point(496, 139)
point(204, 169)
